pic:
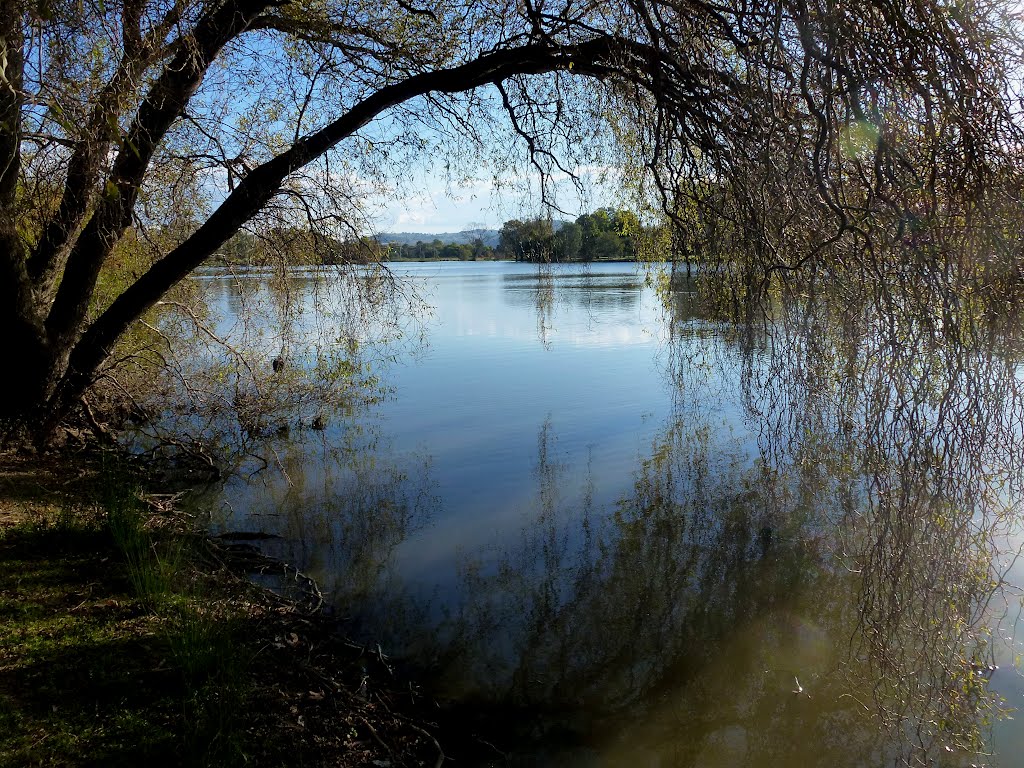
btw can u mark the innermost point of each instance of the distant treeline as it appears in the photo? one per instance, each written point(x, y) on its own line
point(604, 235)
point(438, 249)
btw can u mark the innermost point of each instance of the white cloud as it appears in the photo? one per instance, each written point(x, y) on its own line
point(488, 202)
point(416, 219)
point(437, 209)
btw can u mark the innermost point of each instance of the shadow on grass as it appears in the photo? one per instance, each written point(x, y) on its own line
point(94, 673)
point(126, 641)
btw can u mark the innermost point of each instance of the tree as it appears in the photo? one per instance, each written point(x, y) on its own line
point(478, 249)
point(603, 235)
point(567, 242)
point(530, 240)
point(167, 126)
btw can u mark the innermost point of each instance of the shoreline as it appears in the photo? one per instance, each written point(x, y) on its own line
point(129, 636)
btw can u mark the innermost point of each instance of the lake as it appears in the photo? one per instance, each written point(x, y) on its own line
point(639, 531)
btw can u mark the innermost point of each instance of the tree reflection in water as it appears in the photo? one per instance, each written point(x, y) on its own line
point(819, 594)
point(925, 395)
point(824, 604)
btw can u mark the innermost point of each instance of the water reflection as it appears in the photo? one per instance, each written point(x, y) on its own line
point(338, 509)
point(258, 354)
point(794, 564)
point(591, 292)
point(544, 287)
point(929, 416)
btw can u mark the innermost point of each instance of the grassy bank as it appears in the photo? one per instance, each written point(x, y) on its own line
point(128, 638)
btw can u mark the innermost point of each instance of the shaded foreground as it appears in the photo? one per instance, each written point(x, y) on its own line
point(127, 638)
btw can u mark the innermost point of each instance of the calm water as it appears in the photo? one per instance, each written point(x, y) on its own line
point(649, 537)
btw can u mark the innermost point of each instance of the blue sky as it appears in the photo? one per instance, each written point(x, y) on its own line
point(440, 207)
point(437, 209)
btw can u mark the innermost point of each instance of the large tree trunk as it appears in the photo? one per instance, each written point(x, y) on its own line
point(28, 376)
point(43, 328)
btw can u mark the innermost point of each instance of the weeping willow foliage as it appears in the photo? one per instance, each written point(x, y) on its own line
point(856, 140)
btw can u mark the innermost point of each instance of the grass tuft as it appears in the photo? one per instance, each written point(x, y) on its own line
point(109, 652)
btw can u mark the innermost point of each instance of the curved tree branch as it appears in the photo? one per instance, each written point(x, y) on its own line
point(596, 58)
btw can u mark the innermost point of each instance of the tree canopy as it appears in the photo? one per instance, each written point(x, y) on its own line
point(141, 135)
point(604, 235)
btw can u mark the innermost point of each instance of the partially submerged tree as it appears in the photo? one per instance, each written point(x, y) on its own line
point(783, 134)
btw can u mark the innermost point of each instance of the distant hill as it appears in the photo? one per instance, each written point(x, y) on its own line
point(489, 236)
